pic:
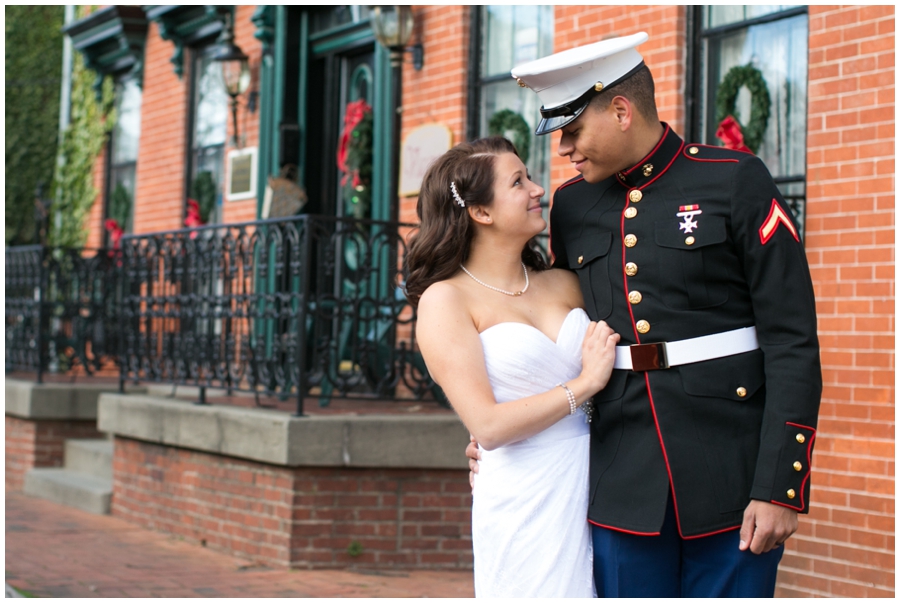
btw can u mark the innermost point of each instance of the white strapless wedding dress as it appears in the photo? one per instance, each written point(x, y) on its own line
point(530, 532)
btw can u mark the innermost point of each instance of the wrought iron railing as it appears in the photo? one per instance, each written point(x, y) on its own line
point(295, 308)
point(60, 310)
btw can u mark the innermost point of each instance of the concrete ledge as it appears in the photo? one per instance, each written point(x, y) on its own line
point(85, 492)
point(386, 441)
point(56, 401)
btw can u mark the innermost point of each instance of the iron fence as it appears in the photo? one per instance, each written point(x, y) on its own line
point(60, 310)
point(295, 308)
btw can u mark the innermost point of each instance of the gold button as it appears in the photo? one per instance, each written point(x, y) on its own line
point(801, 438)
point(798, 466)
point(643, 326)
point(630, 268)
point(630, 212)
point(791, 493)
point(693, 150)
point(598, 86)
point(635, 297)
point(648, 169)
point(580, 259)
point(689, 241)
point(742, 392)
point(630, 240)
point(521, 83)
point(635, 196)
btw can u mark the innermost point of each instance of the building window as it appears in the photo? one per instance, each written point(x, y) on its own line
point(123, 154)
point(209, 118)
point(773, 40)
point(510, 36)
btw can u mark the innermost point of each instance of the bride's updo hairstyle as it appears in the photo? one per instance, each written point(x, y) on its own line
point(445, 231)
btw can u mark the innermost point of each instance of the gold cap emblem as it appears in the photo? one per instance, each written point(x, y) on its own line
point(630, 240)
point(643, 326)
point(521, 83)
point(598, 86)
point(635, 196)
point(631, 268)
point(648, 169)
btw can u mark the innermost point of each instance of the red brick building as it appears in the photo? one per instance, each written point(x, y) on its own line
point(829, 71)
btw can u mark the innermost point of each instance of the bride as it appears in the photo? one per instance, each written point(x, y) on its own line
point(507, 340)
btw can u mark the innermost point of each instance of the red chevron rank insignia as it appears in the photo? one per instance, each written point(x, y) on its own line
point(770, 225)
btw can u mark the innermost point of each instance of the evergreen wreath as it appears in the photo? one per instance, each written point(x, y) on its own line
point(760, 103)
point(507, 120)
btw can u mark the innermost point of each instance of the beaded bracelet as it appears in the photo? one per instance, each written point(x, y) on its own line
point(573, 406)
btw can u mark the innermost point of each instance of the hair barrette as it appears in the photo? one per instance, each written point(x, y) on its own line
point(459, 200)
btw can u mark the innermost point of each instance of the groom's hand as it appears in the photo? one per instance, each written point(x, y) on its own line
point(474, 455)
point(766, 526)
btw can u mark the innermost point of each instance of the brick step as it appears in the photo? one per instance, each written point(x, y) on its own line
point(66, 487)
point(91, 457)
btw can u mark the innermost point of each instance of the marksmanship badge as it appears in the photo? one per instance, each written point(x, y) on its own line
point(688, 212)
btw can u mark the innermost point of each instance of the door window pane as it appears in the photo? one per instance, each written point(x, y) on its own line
point(512, 35)
point(209, 131)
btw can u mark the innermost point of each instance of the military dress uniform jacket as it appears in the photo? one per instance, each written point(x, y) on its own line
point(695, 240)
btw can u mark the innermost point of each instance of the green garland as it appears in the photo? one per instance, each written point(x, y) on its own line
point(120, 205)
point(760, 103)
point(505, 121)
point(203, 191)
point(358, 194)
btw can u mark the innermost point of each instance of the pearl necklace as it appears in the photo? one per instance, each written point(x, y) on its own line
point(497, 289)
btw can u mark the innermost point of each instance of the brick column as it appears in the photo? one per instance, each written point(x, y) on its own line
point(845, 548)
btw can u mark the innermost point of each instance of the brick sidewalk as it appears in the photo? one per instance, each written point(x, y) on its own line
point(57, 551)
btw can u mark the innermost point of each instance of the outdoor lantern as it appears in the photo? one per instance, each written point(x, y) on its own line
point(393, 27)
point(235, 69)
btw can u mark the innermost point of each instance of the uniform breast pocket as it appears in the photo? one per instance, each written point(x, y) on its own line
point(589, 258)
point(693, 272)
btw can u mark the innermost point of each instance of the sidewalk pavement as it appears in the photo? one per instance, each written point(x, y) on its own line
point(58, 551)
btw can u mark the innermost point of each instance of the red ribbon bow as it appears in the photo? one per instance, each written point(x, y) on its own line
point(731, 135)
point(352, 116)
point(193, 216)
point(115, 231)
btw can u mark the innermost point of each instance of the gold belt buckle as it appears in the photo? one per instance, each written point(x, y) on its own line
point(649, 356)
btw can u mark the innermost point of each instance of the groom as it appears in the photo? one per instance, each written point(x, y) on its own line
point(701, 442)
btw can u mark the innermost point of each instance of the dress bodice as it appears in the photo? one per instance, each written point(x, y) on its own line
point(522, 361)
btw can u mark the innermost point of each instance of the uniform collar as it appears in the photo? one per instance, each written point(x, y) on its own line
point(655, 163)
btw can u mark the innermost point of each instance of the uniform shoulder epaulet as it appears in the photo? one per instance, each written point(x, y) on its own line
point(705, 152)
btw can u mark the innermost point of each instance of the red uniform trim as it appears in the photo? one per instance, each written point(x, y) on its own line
point(648, 155)
point(600, 525)
point(569, 183)
point(731, 529)
point(665, 169)
point(770, 224)
point(808, 468)
point(689, 156)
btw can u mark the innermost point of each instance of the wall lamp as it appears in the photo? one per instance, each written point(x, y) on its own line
point(393, 26)
point(235, 70)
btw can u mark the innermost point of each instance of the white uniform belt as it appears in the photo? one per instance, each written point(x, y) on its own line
point(651, 356)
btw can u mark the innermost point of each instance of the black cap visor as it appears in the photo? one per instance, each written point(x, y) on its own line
point(557, 117)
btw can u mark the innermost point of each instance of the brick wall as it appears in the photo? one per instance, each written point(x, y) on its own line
point(846, 546)
point(31, 444)
point(303, 517)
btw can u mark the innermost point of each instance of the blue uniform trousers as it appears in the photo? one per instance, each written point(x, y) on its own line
point(627, 565)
